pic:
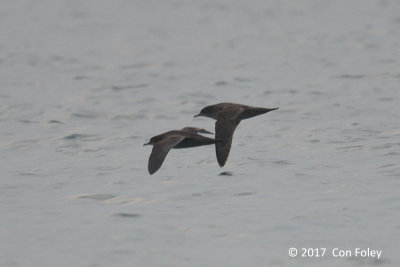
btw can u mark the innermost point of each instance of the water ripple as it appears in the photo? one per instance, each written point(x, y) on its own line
point(99, 197)
point(126, 215)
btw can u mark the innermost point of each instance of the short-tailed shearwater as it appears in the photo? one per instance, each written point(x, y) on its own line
point(228, 116)
point(184, 138)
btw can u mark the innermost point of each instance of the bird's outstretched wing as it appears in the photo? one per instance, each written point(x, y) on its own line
point(227, 121)
point(160, 151)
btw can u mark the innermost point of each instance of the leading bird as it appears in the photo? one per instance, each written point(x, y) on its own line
point(228, 116)
point(184, 138)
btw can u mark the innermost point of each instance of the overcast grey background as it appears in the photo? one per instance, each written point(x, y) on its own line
point(83, 84)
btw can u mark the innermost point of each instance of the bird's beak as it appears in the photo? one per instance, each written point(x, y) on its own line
point(198, 115)
point(146, 144)
point(205, 131)
point(273, 109)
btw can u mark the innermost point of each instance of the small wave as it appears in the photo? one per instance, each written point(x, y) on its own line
point(349, 76)
point(126, 215)
point(221, 83)
point(127, 87)
point(86, 114)
point(77, 136)
point(99, 197)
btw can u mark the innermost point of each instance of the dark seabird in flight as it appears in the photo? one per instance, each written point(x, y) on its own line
point(228, 116)
point(184, 138)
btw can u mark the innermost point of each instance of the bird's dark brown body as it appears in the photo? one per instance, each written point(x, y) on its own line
point(184, 138)
point(228, 116)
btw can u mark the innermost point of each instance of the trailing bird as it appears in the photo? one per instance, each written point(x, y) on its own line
point(228, 116)
point(184, 138)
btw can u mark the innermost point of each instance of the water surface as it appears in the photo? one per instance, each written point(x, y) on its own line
point(84, 84)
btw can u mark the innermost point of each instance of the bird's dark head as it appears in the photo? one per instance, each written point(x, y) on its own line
point(153, 140)
point(148, 143)
point(209, 111)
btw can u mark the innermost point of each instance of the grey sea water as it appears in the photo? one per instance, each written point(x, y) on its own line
point(84, 84)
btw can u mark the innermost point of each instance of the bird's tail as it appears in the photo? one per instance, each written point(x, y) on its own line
point(252, 111)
